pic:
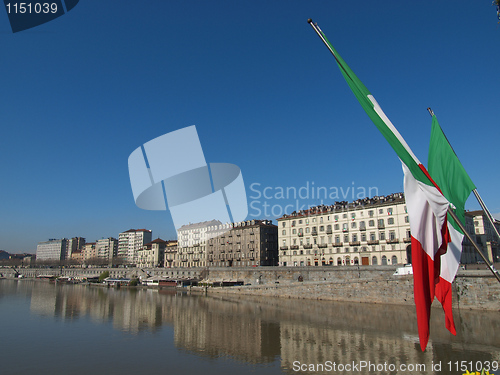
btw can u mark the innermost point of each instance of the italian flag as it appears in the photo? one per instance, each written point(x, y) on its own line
point(426, 205)
point(456, 185)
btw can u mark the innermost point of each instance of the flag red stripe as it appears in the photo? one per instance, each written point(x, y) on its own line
point(444, 295)
point(423, 289)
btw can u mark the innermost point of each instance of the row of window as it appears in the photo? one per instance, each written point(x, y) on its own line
point(338, 250)
point(345, 226)
point(371, 213)
point(342, 262)
point(353, 238)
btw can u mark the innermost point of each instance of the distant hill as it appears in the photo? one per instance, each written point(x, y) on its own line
point(4, 255)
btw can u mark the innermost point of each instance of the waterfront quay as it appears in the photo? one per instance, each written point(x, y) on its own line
point(472, 289)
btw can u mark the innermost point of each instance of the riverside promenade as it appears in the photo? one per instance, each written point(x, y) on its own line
point(472, 289)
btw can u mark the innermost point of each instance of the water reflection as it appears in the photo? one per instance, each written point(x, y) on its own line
point(257, 330)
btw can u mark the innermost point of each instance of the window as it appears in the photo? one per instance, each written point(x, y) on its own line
point(308, 230)
point(381, 211)
point(353, 216)
point(344, 216)
point(308, 241)
point(345, 228)
point(354, 237)
point(293, 223)
point(321, 219)
point(314, 220)
point(336, 217)
point(300, 221)
point(381, 235)
point(307, 221)
point(390, 221)
point(353, 225)
point(294, 231)
point(336, 227)
point(392, 235)
point(295, 241)
point(381, 223)
point(321, 228)
point(394, 259)
point(372, 236)
point(346, 238)
point(374, 261)
point(284, 232)
point(407, 219)
point(284, 242)
point(284, 224)
point(370, 213)
point(389, 211)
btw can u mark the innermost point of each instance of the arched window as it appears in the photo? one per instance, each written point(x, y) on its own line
point(374, 261)
point(394, 259)
point(384, 260)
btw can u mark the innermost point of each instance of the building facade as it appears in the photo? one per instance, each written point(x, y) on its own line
point(74, 244)
point(130, 242)
point(107, 248)
point(170, 253)
point(192, 244)
point(370, 231)
point(89, 251)
point(484, 235)
point(51, 250)
point(152, 254)
point(245, 244)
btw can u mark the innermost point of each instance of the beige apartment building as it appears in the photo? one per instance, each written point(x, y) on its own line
point(484, 235)
point(153, 254)
point(369, 231)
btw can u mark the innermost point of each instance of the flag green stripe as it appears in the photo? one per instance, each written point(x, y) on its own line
point(447, 171)
point(361, 93)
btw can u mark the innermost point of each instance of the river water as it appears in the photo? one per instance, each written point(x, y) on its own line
point(47, 328)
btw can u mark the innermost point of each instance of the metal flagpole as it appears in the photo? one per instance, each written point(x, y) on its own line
point(469, 237)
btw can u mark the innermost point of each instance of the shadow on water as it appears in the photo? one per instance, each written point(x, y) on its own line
point(296, 334)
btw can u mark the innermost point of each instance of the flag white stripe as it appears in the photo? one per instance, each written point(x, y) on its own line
point(427, 209)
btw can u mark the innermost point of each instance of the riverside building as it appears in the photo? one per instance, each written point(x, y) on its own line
point(369, 231)
point(51, 250)
point(246, 244)
point(130, 242)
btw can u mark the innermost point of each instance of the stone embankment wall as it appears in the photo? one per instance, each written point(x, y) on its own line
point(476, 289)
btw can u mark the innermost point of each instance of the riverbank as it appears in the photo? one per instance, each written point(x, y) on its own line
point(472, 289)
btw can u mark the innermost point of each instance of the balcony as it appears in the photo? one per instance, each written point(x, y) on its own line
point(322, 245)
point(329, 231)
point(407, 239)
point(362, 228)
point(308, 246)
point(375, 242)
point(284, 248)
point(294, 247)
point(394, 240)
point(301, 234)
point(354, 243)
point(381, 226)
point(337, 244)
point(314, 233)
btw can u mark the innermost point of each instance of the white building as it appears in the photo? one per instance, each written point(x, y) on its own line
point(368, 231)
point(192, 244)
point(131, 241)
point(51, 250)
point(152, 254)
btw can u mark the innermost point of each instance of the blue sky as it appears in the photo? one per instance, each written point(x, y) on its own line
point(82, 92)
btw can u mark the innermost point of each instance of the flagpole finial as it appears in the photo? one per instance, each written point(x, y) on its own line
point(309, 20)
